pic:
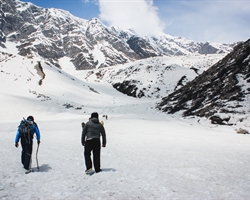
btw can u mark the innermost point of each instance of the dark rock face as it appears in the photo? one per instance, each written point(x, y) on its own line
point(221, 89)
point(127, 87)
point(53, 34)
point(130, 88)
point(218, 120)
point(141, 47)
point(207, 49)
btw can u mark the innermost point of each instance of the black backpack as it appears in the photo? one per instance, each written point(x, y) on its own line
point(26, 130)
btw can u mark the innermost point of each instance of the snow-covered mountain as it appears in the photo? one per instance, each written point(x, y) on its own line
point(51, 34)
point(40, 41)
point(221, 93)
point(45, 84)
point(154, 77)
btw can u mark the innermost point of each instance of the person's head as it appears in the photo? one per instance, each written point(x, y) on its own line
point(83, 124)
point(94, 115)
point(30, 118)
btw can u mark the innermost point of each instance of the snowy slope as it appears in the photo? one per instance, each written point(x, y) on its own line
point(149, 155)
point(153, 77)
point(220, 93)
point(21, 77)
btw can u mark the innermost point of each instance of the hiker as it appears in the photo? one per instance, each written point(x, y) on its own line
point(91, 133)
point(83, 124)
point(26, 135)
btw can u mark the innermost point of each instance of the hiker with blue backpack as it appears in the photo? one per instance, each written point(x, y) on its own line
point(25, 132)
point(91, 133)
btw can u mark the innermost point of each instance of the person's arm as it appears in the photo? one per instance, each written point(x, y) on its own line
point(84, 131)
point(38, 135)
point(17, 138)
point(104, 140)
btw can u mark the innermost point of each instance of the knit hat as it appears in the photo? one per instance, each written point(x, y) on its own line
point(94, 115)
point(30, 118)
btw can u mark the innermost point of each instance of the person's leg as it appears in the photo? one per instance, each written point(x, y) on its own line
point(96, 154)
point(23, 144)
point(87, 154)
point(27, 156)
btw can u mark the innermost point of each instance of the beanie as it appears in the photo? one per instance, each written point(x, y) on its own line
point(30, 118)
point(94, 115)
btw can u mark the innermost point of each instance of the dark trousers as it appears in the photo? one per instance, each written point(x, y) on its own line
point(26, 154)
point(95, 146)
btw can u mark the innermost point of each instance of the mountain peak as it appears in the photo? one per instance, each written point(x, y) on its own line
point(54, 33)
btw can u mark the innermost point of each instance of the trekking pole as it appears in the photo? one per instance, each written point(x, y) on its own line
point(37, 156)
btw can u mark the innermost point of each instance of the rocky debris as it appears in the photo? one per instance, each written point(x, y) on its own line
point(218, 120)
point(242, 131)
point(40, 72)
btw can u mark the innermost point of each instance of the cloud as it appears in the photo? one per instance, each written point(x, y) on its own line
point(210, 20)
point(139, 15)
point(223, 21)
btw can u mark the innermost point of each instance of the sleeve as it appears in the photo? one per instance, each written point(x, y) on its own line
point(104, 140)
point(17, 136)
point(84, 131)
point(38, 136)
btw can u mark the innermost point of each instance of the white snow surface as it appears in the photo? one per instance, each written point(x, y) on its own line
point(149, 154)
point(155, 77)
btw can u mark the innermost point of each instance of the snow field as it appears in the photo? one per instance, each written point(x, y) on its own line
point(149, 155)
point(146, 157)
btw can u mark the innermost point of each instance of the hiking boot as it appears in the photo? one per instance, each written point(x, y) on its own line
point(89, 171)
point(28, 171)
point(97, 171)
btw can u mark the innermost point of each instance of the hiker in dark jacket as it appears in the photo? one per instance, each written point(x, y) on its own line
point(91, 133)
point(27, 143)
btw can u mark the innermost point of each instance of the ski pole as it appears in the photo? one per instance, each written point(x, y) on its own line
point(36, 156)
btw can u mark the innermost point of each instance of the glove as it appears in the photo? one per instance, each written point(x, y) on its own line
point(38, 142)
point(103, 145)
point(16, 144)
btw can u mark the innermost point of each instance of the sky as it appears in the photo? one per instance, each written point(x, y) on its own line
point(222, 21)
